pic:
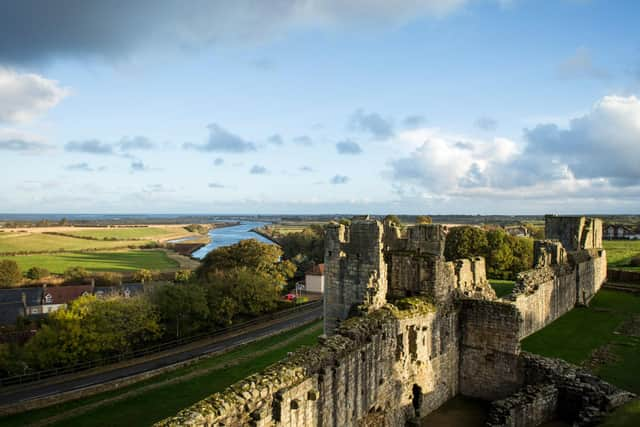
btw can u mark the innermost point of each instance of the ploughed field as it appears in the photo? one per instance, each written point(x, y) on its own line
point(620, 253)
point(604, 338)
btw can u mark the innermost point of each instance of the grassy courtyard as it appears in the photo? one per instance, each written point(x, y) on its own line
point(605, 338)
point(620, 252)
point(502, 287)
point(149, 401)
point(128, 260)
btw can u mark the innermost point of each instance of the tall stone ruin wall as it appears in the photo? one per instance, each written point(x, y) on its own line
point(379, 370)
point(407, 330)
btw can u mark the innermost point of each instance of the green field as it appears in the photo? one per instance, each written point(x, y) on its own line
point(147, 402)
point(39, 242)
point(132, 233)
point(620, 252)
point(129, 260)
point(603, 326)
point(502, 287)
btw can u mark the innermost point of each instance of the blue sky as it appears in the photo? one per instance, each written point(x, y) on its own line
point(303, 106)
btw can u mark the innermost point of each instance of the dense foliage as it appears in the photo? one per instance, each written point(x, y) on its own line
point(505, 255)
point(304, 248)
point(36, 273)
point(10, 274)
point(263, 259)
point(91, 328)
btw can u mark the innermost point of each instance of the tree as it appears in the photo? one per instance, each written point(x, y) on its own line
point(143, 276)
point(304, 248)
point(240, 291)
point(392, 219)
point(108, 279)
point(262, 258)
point(499, 255)
point(10, 274)
point(91, 328)
point(75, 275)
point(183, 308)
point(465, 242)
point(423, 219)
point(182, 276)
point(35, 273)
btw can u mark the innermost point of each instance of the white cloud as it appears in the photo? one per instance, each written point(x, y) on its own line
point(26, 96)
point(595, 155)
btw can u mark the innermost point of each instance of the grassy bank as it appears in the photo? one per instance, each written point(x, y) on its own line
point(128, 260)
point(147, 402)
point(620, 252)
point(605, 338)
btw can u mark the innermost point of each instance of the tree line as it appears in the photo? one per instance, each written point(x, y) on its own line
point(233, 283)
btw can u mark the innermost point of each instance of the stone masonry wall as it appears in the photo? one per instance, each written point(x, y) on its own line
point(406, 330)
point(383, 369)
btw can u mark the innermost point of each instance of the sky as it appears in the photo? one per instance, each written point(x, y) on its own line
point(320, 107)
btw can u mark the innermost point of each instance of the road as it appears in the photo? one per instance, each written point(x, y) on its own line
point(36, 391)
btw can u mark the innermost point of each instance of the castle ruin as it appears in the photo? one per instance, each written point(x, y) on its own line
point(406, 330)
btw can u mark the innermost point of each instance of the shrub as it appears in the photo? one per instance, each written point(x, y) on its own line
point(76, 275)
point(143, 276)
point(36, 273)
point(635, 261)
point(108, 279)
point(183, 276)
point(10, 274)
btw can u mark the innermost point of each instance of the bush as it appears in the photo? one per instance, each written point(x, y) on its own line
point(75, 275)
point(183, 276)
point(35, 273)
point(635, 261)
point(143, 276)
point(10, 274)
point(108, 279)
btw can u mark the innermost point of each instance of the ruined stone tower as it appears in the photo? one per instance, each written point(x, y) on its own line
point(407, 330)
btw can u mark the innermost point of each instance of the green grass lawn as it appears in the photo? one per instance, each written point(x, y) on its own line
point(39, 242)
point(575, 335)
point(129, 260)
point(620, 252)
point(146, 407)
point(132, 233)
point(502, 287)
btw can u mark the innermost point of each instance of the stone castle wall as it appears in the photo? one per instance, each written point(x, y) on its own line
point(406, 330)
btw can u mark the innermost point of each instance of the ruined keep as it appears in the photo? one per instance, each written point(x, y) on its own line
point(406, 330)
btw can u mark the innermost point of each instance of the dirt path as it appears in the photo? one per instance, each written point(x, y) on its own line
point(194, 374)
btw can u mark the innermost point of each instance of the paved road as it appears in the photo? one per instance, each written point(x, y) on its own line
point(35, 391)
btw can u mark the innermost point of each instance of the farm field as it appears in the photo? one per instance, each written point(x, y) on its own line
point(176, 390)
point(613, 331)
point(39, 242)
point(124, 233)
point(620, 252)
point(129, 260)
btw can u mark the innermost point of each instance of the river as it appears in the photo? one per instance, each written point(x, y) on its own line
point(226, 236)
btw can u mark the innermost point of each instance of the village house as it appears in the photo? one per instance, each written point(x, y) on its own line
point(55, 297)
point(620, 232)
point(314, 279)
